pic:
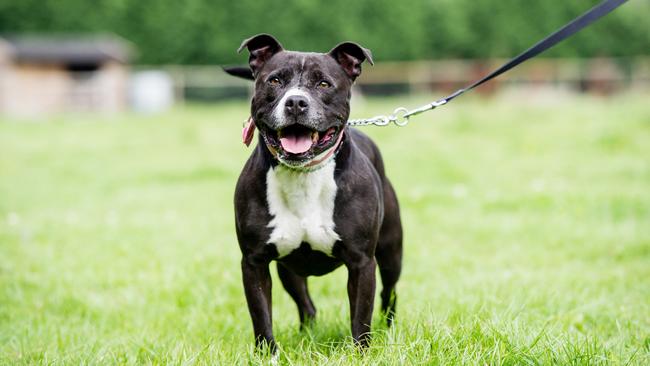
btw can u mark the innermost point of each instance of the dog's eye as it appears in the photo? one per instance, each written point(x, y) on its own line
point(274, 81)
point(324, 84)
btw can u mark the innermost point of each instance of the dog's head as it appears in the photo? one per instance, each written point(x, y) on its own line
point(301, 101)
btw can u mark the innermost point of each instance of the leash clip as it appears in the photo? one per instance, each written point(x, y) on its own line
point(400, 116)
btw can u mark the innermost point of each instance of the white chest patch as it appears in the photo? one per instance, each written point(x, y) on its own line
point(302, 206)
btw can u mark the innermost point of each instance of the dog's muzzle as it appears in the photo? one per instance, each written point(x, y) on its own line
point(297, 146)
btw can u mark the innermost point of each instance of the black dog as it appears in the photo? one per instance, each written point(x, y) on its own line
point(313, 194)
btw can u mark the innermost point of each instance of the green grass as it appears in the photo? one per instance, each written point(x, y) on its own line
point(527, 239)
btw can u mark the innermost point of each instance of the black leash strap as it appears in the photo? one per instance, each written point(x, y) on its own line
point(401, 115)
point(561, 34)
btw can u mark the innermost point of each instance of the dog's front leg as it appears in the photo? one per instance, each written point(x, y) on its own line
point(361, 293)
point(257, 287)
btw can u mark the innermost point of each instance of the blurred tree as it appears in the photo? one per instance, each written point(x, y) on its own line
point(209, 31)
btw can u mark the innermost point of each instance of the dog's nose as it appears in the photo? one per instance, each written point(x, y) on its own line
point(296, 105)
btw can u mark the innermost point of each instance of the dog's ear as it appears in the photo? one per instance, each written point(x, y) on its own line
point(239, 71)
point(261, 47)
point(350, 56)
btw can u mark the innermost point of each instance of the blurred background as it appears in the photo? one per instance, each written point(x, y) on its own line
point(116, 55)
point(525, 203)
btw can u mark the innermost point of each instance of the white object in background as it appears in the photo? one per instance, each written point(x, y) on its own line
point(151, 91)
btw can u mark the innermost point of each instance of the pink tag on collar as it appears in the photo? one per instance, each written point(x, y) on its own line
point(248, 132)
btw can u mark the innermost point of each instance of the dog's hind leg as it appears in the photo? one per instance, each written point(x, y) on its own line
point(296, 286)
point(389, 253)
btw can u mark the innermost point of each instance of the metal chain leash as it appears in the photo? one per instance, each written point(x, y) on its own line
point(399, 117)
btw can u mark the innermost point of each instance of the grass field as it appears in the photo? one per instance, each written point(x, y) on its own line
point(527, 239)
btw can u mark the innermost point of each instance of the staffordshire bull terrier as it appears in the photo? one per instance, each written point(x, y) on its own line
point(313, 195)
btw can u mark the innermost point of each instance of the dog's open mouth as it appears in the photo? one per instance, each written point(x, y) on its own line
point(298, 143)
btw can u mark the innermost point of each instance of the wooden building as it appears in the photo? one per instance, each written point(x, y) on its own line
point(56, 74)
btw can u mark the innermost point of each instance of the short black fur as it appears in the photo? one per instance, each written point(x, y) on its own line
point(366, 211)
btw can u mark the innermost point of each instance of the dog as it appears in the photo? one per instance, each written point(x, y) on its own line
point(313, 195)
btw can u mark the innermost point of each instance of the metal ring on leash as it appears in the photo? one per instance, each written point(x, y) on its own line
point(401, 120)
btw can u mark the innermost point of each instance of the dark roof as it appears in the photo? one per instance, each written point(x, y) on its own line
point(77, 49)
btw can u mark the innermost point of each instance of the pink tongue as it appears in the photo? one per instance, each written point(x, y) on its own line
point(296, 144)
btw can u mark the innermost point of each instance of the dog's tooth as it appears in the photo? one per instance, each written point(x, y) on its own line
point(314, 136)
